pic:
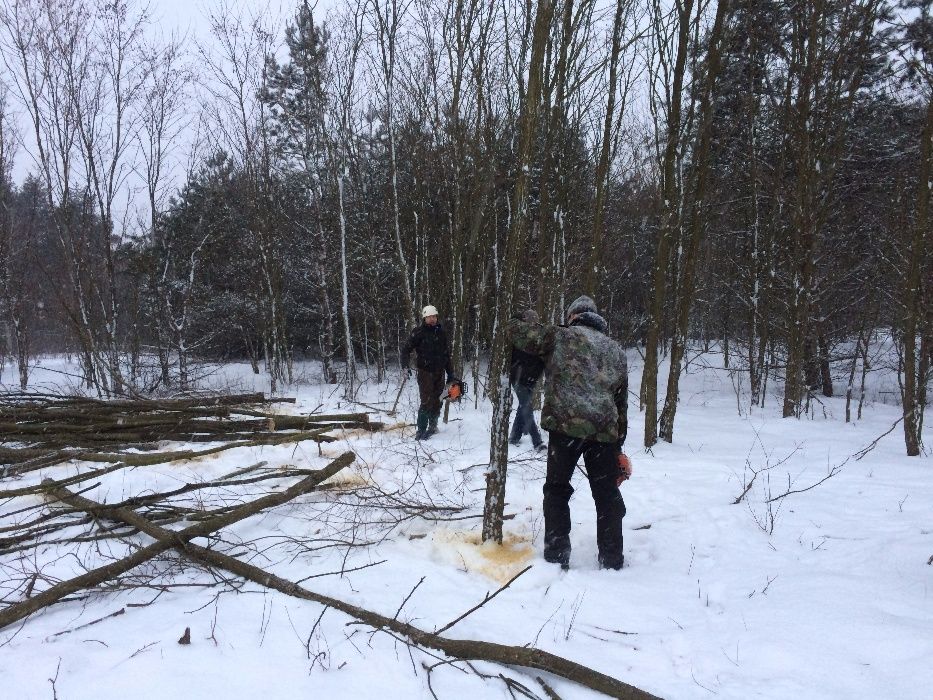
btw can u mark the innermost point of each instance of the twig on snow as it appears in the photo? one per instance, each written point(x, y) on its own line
point(874, 443)
point(88, 624)
point(482, 602)
point(407, 598)
point(836, 468)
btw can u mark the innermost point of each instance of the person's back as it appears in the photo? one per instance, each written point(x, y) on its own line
point(587, 375)
point(586, 413)
point(526, 369)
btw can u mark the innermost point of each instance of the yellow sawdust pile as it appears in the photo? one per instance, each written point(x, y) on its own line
point(497, 562)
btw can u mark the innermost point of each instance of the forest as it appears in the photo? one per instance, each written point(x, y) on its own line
point(216, 241)
point(749, 177)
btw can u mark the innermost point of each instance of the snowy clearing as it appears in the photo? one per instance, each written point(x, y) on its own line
point(824, 594)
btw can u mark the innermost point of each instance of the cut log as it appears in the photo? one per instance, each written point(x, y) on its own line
point(44, 458)
point(338, 417)
point(18, 611)
point(48, 428)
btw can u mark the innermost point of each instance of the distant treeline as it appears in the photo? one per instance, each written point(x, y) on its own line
point(754, 174)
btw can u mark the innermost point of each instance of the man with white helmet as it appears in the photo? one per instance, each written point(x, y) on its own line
point(429, 342)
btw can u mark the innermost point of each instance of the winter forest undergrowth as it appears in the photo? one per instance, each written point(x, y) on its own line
point(820, 593)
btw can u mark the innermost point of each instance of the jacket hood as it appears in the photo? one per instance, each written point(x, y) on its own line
point(580, 305)
point(591, 319)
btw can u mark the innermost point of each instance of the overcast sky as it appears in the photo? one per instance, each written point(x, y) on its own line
point(188, 16)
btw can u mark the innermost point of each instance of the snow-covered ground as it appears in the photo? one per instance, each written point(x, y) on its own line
point(826, 595)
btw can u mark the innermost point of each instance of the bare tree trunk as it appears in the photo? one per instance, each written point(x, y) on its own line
point(591, 280)
point(823, 79)
point(388, 18)
point(670, 204)
point(555, 107)
point(696, 220)
point(914, 381)
point(327, 337)
point(518, 232)
point(855, 358)
point(350, 391)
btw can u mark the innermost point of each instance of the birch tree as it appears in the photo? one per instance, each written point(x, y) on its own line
point(345, 58)
point(387, 17)
point(500, 393)
point(78, 72)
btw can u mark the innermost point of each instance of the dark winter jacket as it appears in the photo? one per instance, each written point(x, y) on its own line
point(587, 394)
point(430, 343)
point(526, 368)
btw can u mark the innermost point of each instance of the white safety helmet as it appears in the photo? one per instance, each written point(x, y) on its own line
point(428, 311)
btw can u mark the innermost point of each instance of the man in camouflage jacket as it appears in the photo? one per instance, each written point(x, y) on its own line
point(586, 413)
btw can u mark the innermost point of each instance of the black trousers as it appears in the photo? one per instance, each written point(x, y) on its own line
point(602, 467)
point(524, 417)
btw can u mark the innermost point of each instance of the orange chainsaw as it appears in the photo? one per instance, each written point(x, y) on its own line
point(456, 390)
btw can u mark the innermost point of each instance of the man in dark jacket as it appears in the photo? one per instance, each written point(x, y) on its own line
point(586, 414)
point(525, 372)
point(429, 342)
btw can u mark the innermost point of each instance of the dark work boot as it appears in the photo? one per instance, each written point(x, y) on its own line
point(557, 551)
point(422, 425)
point(611, 562)
point(561, 557)
point(432, 423)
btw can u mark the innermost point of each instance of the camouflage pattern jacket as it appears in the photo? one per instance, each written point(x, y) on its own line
point(587, 377)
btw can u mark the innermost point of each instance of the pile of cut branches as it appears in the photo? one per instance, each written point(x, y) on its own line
point(42, 430)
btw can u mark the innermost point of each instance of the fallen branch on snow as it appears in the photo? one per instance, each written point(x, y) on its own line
point(169, 539)
point(835, 469)
point(464, 649)
point(874, 443)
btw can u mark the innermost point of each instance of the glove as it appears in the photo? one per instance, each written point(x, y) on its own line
point(625, 469)
point(408, 370)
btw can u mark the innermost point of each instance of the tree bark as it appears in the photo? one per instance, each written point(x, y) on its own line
point(913, 294)
point(696, 221)
point(388, 17)
point(501, 394)
point(591, 282)
point(670, 198)
point(554, 126)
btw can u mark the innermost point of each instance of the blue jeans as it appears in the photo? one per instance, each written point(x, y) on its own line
point(524, 417)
